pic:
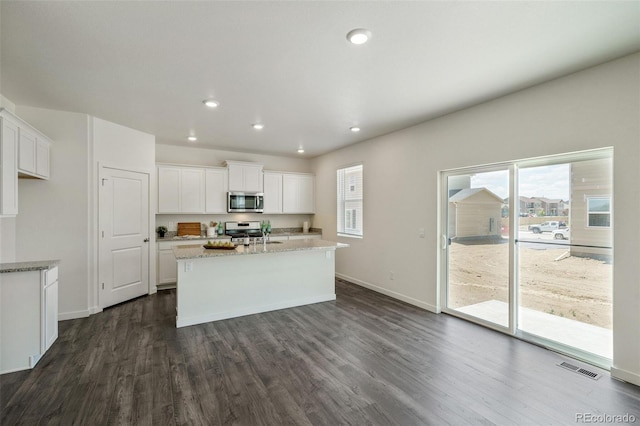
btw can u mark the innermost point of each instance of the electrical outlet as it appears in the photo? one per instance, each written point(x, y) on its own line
point(391, 275)
point(188, 267)
point(421, 232)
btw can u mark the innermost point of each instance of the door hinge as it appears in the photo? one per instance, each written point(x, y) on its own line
point(102, 234)
point(103, 286)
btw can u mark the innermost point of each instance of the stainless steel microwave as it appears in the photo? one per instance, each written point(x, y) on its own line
point(240, 202)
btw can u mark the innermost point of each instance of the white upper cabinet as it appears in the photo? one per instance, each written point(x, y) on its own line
point(33, 153)
point(272, 192)
point(27, 152)
point(216, 186)
point(181, 189)
point(43, 149)
point(298, 193)
point(244, 177)
point(8, 165)
point(192, 191)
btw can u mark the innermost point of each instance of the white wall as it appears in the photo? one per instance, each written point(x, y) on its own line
point(213, 157)
point(119, 146)
point(594, 108)
point(53, 220)
point(7, 224)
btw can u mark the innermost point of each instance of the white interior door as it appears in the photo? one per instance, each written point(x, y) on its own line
point(124, 235)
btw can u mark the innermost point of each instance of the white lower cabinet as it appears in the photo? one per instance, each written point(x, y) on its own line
point(167, 273)
point(50, 315)
point(28, 317)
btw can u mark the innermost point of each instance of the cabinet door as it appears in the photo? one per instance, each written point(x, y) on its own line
point(245, 178)
point(9, 169)
point(236, 178)
point(167, 267)
point(253, 179)
point(50, 315)
point(216, 191)
point(290, 189)
point(192, 191)
point(306, 194)
point(168, 190)
point(42, 158)
point(272, 192)
point(298, 193)
point(27, 155)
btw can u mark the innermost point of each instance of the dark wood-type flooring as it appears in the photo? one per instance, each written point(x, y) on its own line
point(363, 359)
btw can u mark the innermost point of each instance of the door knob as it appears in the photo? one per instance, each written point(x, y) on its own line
point(146, 240)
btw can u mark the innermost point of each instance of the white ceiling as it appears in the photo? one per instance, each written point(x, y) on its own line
point(149, 65)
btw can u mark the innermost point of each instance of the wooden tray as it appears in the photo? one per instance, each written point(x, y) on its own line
point(218, 247)
point(188, 228)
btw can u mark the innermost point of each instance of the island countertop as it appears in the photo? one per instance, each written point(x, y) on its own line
point(196, 251)
point(34, 265)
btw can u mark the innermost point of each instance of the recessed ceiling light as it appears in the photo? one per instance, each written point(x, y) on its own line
point(359, 36)
point(211, 103)
point(258, 126)
point(192, 138)
point(354, 129)
point(300, 151)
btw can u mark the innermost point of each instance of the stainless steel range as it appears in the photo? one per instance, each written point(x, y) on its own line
point(238, 230)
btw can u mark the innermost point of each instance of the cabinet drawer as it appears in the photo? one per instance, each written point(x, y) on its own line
point(51, 276)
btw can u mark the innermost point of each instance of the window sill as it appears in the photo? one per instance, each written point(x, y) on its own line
point(358, 237)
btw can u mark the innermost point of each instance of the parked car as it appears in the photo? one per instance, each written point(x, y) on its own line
point(561, 234)
point(546, 226)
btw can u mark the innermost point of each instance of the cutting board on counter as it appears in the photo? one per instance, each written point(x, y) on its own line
point(188, 228)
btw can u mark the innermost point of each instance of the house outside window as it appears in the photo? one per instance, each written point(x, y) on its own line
point(599, 212)
point(351, 220)
point(350, 201)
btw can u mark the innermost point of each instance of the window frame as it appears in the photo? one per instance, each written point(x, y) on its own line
point(589, 213)
point(347, 230)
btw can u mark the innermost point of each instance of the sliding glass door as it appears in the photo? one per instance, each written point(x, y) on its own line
point(477, 237)
point(527, 249)
point(565, 255)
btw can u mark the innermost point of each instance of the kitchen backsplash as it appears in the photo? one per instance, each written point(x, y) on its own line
point(277, 221)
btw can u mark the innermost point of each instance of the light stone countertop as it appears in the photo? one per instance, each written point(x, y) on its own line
point(36, 265)
point(196, 251)
point(277, 232)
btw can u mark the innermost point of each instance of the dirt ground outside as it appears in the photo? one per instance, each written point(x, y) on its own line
point(574, 287)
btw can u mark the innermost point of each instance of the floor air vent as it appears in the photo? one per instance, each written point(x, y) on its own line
point(579, 370)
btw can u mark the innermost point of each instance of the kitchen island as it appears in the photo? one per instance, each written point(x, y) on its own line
point(216, 284)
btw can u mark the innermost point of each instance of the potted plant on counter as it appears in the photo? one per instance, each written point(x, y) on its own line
point(161, 231)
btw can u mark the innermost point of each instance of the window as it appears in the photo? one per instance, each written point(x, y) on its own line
point(350, 220)
point(599, 211)
point(349, 193)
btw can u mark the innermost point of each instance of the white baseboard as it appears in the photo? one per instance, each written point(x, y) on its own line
point(625, 375)
point(410, 300)
point(63, 316)
point(183, 321)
